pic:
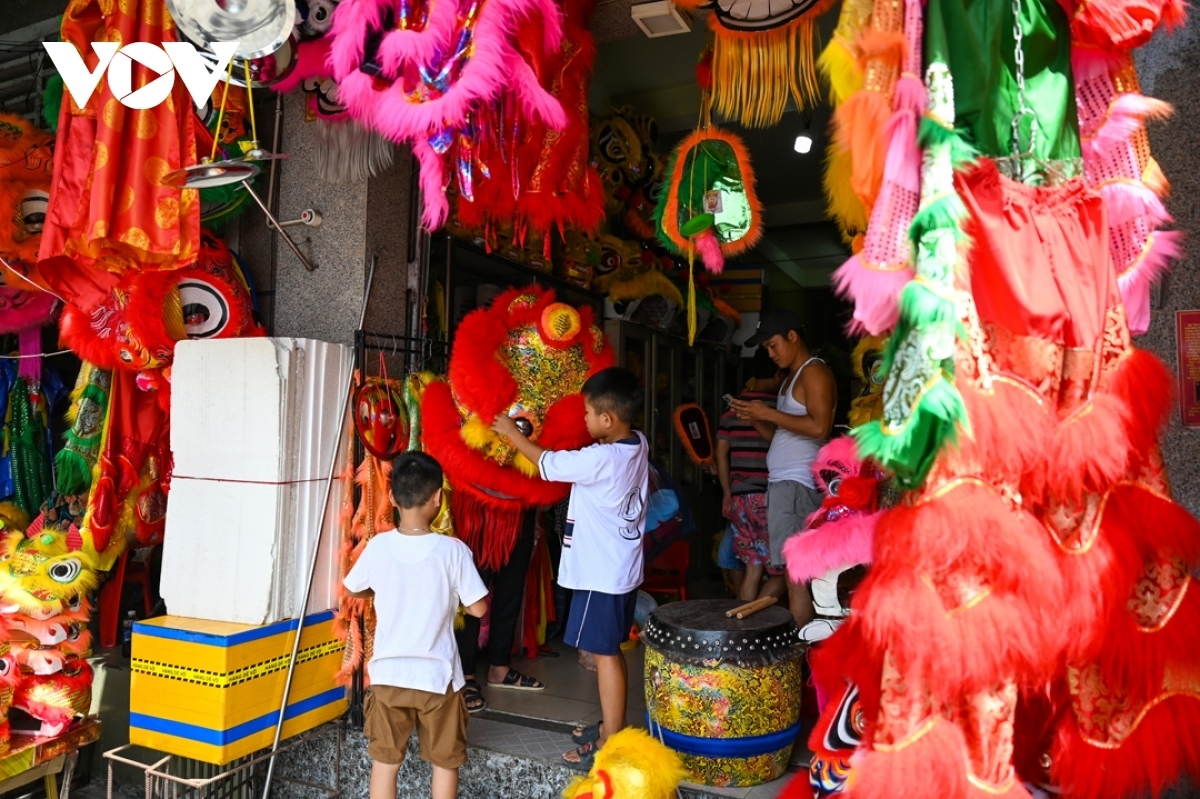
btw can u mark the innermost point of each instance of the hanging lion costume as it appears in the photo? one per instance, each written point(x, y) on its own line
point(528, 355)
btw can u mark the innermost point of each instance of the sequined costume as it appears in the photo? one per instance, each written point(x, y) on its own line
point(1028, 617)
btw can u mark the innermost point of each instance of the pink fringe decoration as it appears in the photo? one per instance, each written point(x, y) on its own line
point(495, 66)
point(834, 545)
point(433, 185)
point(873, 279)
point(1131, 199)
point(1163, 247)
point(710, 251)
point(1126, 116)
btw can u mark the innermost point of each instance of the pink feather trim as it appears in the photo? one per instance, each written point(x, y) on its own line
point(833, 545)
point(1129, 199)
point(710, 251)
point(435, 207)
point(874, 292)
point(494, 65)
point(1126, 116)
point(1163, 247)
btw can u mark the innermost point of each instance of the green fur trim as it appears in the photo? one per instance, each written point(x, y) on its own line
point(661, 208)
point(921, 307)
point(52, 100)
point(909, 452)
point(944, 213)
point(931, 133)
point(72, 471)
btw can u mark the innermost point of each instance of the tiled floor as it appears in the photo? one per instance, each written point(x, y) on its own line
point(538, 724)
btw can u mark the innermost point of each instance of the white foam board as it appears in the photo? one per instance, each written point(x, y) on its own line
point(263, 415)
point(220, 550)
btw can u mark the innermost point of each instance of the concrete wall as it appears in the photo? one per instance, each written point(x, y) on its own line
point(359, 220)
point(1168, 67)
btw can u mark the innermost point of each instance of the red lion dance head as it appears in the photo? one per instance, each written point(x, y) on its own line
point(528, 355)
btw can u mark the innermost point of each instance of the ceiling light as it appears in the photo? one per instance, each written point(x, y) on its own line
point(659, 18)
point(804, 141)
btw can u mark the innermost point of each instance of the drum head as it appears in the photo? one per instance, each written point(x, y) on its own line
point(698, 630)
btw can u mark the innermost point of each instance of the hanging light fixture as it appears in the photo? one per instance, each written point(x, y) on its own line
point(804, 141)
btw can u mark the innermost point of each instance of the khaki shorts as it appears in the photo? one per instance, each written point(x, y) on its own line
point(789, 504)
point(441, 722)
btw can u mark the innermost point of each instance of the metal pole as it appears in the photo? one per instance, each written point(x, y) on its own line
point(274, 225)
point(316, 550)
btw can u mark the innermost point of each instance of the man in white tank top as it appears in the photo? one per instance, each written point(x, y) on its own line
point(797, 427)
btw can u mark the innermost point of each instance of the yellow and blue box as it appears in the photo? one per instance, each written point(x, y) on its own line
point(211, 691)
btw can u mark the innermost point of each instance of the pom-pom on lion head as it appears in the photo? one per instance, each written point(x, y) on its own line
point(528, 356)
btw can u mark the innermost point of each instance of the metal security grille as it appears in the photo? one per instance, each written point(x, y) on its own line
point(25, 68)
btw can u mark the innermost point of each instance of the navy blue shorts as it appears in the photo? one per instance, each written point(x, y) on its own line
point(599, 623)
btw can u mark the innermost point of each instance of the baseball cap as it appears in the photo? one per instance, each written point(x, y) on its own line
point(775, 323)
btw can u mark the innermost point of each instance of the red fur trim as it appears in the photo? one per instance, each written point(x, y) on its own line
point(1146, 388)
point(1163, 748)
point(933, 765)
point(1119, 25)
point(834, 545)
point(1136, 527)
point(1012, 628)
point(1010, 432)
point(1074, 463)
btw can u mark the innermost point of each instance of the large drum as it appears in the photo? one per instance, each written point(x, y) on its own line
point(724, 693)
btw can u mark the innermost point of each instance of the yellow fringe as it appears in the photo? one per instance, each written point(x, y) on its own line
point(844, 206)
point(839, 65)
point(755, 76)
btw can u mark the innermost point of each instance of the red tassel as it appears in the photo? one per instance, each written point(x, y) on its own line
point(490, 531)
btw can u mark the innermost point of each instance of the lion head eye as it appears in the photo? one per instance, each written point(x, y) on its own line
point(65, 571)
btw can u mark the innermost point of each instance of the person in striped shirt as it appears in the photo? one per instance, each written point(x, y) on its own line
point(742, 469)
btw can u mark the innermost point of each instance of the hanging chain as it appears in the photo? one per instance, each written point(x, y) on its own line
point(1023, 109)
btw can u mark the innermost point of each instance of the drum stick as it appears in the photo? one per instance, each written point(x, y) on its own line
point(755, 607)
point(729, 614)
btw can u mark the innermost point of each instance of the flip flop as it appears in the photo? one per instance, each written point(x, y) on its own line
point(586, 735)
point(587, 757)
point(473, 697)
point(516, 681)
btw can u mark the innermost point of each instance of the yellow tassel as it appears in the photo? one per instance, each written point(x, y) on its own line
point(844, 206)
point(839, 64)
point(755, 75)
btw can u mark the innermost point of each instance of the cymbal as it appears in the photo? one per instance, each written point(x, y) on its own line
point(260, 27)
point(207, 175)
point(257, 153)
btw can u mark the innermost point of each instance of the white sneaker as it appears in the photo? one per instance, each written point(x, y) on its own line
point(819, 629)
point(825, 595)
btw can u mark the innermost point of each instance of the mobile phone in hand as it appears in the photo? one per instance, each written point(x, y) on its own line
point(728, 400)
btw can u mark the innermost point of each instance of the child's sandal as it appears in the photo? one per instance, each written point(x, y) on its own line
point(586, 754)
point(473, 697)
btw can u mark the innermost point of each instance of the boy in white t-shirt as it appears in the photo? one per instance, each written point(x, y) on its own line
point(602, 548)
point(418, 579)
